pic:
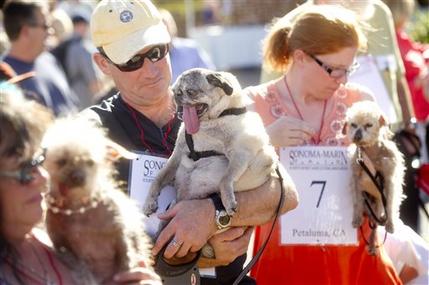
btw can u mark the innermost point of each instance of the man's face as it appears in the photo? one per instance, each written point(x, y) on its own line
point(38, 31)
point(146, 85)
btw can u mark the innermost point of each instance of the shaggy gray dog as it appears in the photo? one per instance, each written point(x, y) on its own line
point(95, 225)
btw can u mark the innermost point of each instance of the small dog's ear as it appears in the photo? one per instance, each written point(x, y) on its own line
point(115, 151)
point(382, 121)
point(217, 80)
point(344, 131)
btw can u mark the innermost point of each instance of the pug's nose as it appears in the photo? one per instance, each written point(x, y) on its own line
point(358, 135)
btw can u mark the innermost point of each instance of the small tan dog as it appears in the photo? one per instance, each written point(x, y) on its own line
point(89, 220)
point(368, 130)
point(214, 115)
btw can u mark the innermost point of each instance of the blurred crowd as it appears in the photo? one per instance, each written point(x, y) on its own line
point(59, 52)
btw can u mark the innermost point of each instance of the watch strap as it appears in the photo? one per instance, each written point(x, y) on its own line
point(217, 202)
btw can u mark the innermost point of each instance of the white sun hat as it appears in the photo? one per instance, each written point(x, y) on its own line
point(124, 27)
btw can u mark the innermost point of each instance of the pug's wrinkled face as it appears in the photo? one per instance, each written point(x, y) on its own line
point(200, 93)
point(364, 121)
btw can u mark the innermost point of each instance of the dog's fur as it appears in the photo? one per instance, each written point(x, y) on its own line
point(367, 128)
point(248, 159)
point(108, 236)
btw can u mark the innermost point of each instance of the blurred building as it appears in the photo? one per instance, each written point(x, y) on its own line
point(251, 12)
point(227, 12)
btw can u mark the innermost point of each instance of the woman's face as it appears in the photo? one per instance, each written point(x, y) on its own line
point(327, 72)
point(20, 203)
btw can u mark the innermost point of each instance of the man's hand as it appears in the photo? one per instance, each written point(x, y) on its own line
point(227, 246)
point(192, 224)
point(288, 131)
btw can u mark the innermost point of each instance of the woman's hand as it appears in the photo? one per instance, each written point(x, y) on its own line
point(288, 131)
point(139, 275)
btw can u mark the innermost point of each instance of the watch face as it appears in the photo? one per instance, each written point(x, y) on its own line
point(224, 219)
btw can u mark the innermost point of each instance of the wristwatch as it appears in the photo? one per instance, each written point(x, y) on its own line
point(223, 220)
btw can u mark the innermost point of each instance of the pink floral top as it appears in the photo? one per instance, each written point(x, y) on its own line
point(272, 100)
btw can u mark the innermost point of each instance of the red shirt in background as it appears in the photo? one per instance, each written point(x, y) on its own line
point(413, 54)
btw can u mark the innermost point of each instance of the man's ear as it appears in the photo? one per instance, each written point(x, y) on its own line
point(24, 32)
point(344, 131)
point(218, 80)
point(102, 63)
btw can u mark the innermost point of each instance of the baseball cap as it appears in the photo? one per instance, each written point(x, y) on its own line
point(124, 27)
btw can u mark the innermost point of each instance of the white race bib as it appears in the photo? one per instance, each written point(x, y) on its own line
point(143, 171)
point(324, 213)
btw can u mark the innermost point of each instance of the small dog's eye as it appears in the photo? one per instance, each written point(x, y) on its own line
point(353, 125)
point(90, 163)
point(369, 125)
point(61, 162)
point(191, 92)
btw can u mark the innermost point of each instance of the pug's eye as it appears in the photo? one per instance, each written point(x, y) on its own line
point(191, 92)
point(353, 125)
point(369, 125)
point(178, 93)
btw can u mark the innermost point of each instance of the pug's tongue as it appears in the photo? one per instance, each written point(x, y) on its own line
point(190, 118)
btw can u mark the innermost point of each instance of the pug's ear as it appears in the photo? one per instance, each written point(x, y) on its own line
point(217, 80)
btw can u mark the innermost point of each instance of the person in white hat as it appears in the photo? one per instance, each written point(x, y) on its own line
point(133, 49)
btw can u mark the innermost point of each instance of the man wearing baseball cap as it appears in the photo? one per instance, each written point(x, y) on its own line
point(133, 49)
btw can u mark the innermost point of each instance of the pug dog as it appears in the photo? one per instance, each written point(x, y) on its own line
point(367, 129)
point(221, 147)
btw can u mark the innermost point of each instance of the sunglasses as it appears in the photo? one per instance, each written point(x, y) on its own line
point(136, 62)
point(336, 73)
point(26, 173)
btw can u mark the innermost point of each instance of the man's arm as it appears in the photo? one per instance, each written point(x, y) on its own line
point(258, 206)
point(193, 223)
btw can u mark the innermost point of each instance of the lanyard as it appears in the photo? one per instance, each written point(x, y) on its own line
point(317, 141)
point(139, 126)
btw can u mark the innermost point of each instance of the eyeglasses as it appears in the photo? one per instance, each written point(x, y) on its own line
point(26, 173)
point(43, 26)
point(136, 62)
point(336, 72)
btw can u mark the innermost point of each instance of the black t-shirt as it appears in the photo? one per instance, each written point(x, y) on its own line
point(134, 131)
